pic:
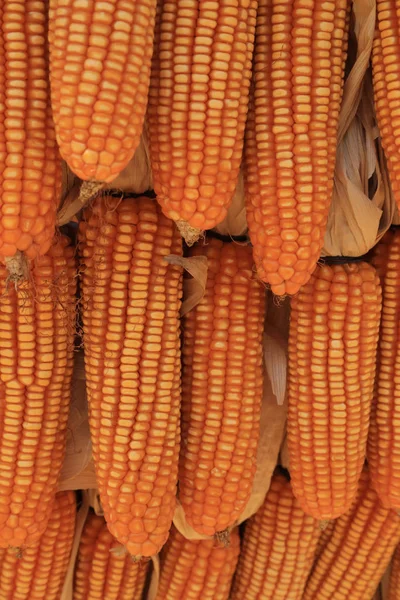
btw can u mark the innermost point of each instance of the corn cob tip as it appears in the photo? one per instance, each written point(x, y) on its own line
point(190, 234)
point(88, 190)
point(17, 551)
point(323, 524)
point(223, 537)
point(17, 267)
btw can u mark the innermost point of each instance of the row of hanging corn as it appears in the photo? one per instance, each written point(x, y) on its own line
point(175, 389)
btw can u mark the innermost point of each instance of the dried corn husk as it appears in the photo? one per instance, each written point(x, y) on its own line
point(68, 589)
point(79, 448)
point(362, 206)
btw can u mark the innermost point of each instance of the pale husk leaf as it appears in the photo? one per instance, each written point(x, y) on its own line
point(194, 287)
point(137, 176)
point(94, 501)
point(362, 206)
point(155, 578)
point(79, 448)
point(68, 588)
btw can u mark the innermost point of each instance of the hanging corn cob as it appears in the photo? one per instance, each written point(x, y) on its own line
point(386, 71)
point(37, 327)
point(278, 548)
point(30, 168)
point(197, 569)
point(333, 338)
point(394, 581)
point(290, 144)
point(131, 302)
point(384, 433)
point(358, 552)
point(100, 54)
point(101, 572)
point(197, 107)
point(39, 572)
point(221, 389)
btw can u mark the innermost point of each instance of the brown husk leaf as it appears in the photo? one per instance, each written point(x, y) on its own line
point(193, 287)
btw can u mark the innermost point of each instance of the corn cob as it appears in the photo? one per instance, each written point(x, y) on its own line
point(131, 298)
point(278, 548)
point(197, 109)
point(39, 573)
point(37, 326)
point(333, 338)
point(386, 73)
point(197, 569)
point(394, 581)
point(100, 55)
point(221, 390)
point(101, 573)
point(290, 145)
point(30, 169)
point(358, 552)
point(384, 432)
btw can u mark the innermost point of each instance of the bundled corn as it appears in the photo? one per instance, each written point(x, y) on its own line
point(39, 572)
point(101, 572)
point(334, 328)
point(290, 147)
point(197, 110)
point(197, 569)
point(278, 548)
point(30, 165)
point(131, 302)
point(37, 325)
point(384, 433)
point(358, 551)
point(222, 388)
point(100, 55)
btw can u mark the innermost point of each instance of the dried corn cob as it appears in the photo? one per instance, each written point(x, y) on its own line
point(386, 71)
point(30, 169)
point(394, 581)
point(101, 572)
point(290, 145)
point(39, 573)
point(198, 105)
point(197, 569)
point(384, 433)
point(278, 548)
point(358, 552)
point(131, 299)
point(37, 326)
point(100, 55)
point(221, 389)
point(332, 355)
